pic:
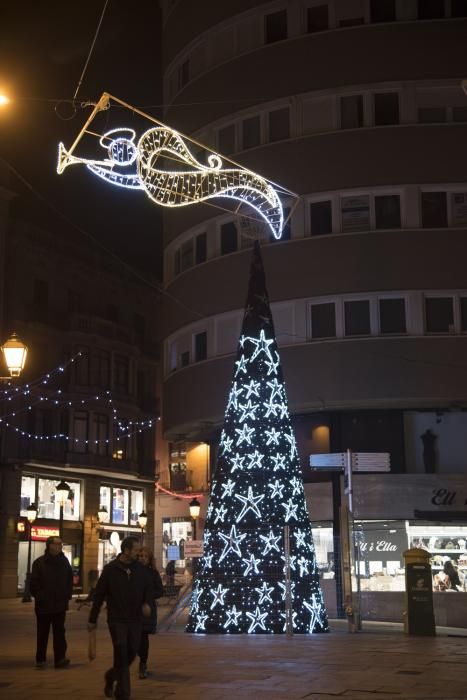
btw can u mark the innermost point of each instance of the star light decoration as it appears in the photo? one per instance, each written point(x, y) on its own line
point(242, 582)
point(139, 163)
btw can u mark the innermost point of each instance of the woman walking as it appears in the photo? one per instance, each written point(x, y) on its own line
point(146, 557)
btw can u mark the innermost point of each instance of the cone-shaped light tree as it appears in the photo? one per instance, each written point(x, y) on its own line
point(248, 572)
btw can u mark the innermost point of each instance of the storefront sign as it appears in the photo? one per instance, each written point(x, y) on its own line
point(42, 532)
point(383, 544)
point(194, 548)
point(420, 615)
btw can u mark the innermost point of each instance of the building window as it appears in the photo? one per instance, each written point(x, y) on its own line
point(186, 256)
point(383, 10)
point(458, 8)
point(100, 368)
point(431, 115)
point(121, 374)
point(28, 493)
point(392, 316)
point(458, 208)
point(279, 124)
point(200, 248)
point(434, 210)
point(320, 218)
point(201, 346)
point(119, 506)
point(183, 74)
point(101, 434)
point(80, 431)
point(226, 139)
point(251, 132)
point(185, 358)
point(105, 497)
point(173, 354)
point(229, 238)
point(387, 211)
point(275, 27)
point(439, 314)
point(317, 19)
point(136, 506)
point(430, 9)
point(323, 320)
point(386, 106)
point(48, 504)
point(352, 112)
point(355, 213)
point(463, 305)
point(357, 317)
point(459, 114)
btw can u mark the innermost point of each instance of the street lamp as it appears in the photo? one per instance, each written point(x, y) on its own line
point(102, 514)
point(195, 507)
point(62, 491)
point(31, 515)
point(15, 353)
point(142, 520)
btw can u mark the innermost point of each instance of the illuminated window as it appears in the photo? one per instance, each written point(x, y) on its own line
point(136, 506)
point(48, 504)
point(28, 493)
point(120, 505)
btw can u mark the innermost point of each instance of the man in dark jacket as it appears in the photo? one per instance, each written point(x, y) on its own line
point(51, 586)
point(127, 589)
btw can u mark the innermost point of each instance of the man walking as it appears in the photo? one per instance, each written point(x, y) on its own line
point(127, 589)
point(51, 586)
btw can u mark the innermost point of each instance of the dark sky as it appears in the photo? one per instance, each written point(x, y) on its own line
point(43, 49)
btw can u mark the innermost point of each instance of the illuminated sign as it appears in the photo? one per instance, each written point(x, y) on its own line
point(190, 177)
point(42, 532)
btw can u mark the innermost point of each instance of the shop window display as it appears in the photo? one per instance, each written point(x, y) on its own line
point(137, 506)
point(120, 506)
point(48, 505)
point(28, 493)
point(175, 532)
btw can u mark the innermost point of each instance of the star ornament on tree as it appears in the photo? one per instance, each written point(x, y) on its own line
point(262, 345)
point(218, 596)
point(270, 542)
point(264, 593)
point(232, 542)
point(244, 435)
point(257, 620)
point(251, 565)
point(250, 502)
point(233, 616)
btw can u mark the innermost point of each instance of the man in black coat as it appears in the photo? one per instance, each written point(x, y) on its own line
point(128, 590)
point(51, 586)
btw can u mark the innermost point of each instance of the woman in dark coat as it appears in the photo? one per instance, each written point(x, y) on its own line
point(146, 557)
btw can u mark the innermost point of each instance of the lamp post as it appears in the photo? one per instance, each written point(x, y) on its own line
point(142, 521)
point(195, 507)
point(63, 493)
point(32, 515)
point(102, 514)
point(14, 353)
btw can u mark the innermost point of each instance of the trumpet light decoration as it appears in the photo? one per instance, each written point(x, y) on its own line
point(138, 164)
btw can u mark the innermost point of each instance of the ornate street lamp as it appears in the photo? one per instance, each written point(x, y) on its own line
point(62, 491)
point(195, 507)
point(142, 521)
point(31, 515)
point(103, 514)
point(15, 353)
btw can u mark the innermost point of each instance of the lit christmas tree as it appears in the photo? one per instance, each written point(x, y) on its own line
point(241, 583)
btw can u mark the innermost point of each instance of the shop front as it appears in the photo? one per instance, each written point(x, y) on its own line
point(394, 513)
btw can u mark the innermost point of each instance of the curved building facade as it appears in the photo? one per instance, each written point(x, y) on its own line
point(358, 107)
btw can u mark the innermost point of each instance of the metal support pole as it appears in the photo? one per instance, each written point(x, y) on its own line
point(60, 526)
point(288, 587)
point(194, 560)
point(27, 581)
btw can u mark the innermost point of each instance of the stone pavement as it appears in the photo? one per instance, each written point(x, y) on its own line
point(379, 663)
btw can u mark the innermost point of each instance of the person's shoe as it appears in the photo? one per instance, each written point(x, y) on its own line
point(108, 687)
point(143, 673)
point(41, 664)
point(63, 663)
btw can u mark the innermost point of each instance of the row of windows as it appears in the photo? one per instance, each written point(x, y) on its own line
point(246, 34)
point(123, 505)
point(354, 317)
point(101, 368)
point(336, 214)
point(75, 304)
point(341, 317)
point(330, 112)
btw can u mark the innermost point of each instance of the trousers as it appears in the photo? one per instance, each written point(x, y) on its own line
point(57, 621)
point(143, 650)
point(126, 638)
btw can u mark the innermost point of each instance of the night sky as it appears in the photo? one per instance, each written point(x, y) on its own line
point(43, 49)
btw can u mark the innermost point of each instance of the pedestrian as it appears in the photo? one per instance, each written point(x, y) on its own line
point(52, 587)
point(126, 587)
point(170, 572)
point(146, 557)
point(453, 576)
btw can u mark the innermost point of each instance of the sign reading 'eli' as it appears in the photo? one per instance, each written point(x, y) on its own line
point(166, 166)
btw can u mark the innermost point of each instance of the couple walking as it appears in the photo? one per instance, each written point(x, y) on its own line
point(129, 584)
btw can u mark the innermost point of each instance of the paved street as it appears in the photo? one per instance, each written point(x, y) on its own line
point(378, 663)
